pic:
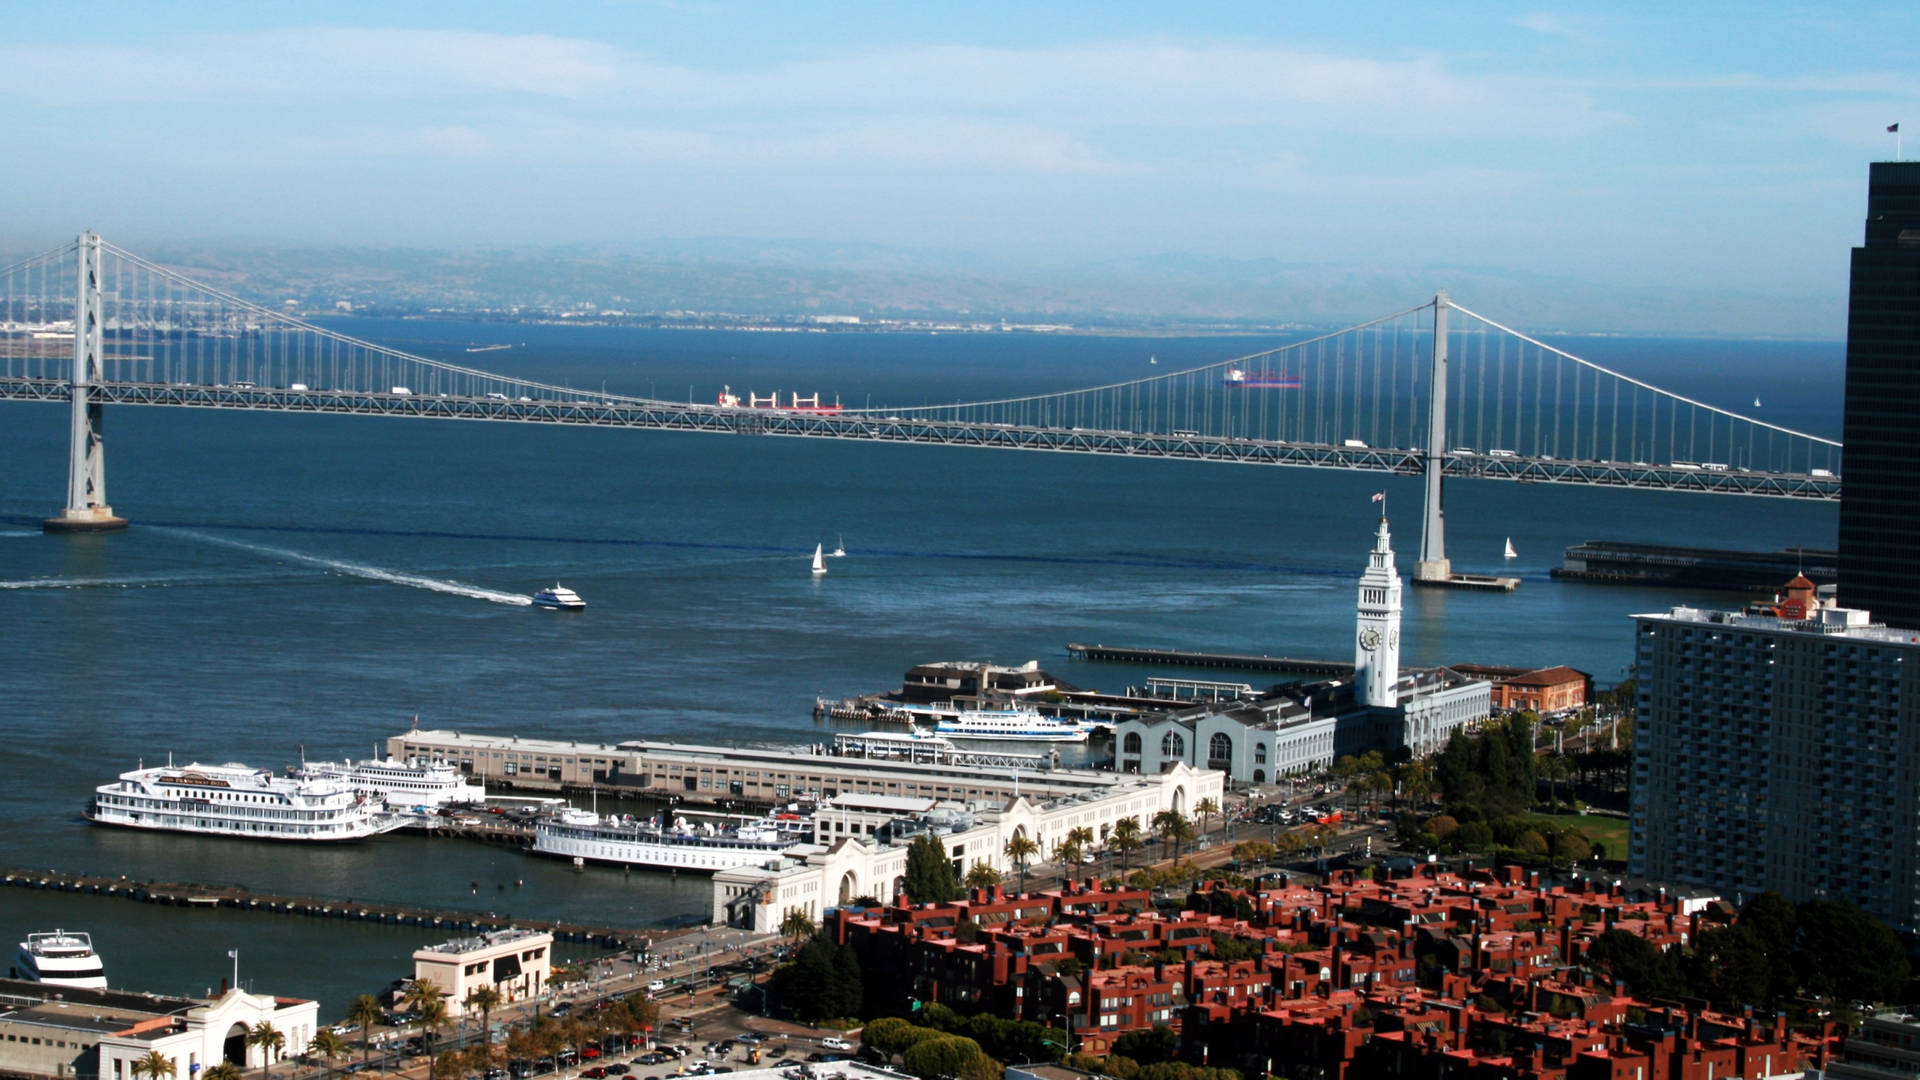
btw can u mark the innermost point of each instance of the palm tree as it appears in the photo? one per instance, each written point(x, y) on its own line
point(1066, 853)
point(1125, 838)
point(324, 1045)
point(796, 925)
point(270, 1041)
point(1172, 827)
point(154, 1065)
point(1020, 849)
point(1080, 837)
point(363, 1014)
point(432, 1016)
point(982, 876)
point(225, 1070)
point(486, 999)
point(1204, 810)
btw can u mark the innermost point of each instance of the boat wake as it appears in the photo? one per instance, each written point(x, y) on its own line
point(370, 573)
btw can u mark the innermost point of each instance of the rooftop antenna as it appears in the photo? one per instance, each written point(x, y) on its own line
point(1894, 129)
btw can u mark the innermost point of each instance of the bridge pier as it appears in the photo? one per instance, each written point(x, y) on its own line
point(1433, 567)
point(87, 509)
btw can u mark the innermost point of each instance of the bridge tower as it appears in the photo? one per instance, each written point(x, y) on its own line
point(1433, 565)
point(87, 509)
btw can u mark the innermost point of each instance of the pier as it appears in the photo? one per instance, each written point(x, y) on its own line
point(240, 898)
point(1126, 654)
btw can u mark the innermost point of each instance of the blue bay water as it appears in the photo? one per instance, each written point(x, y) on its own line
point(257, 607)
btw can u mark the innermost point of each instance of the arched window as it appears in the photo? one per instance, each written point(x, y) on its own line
point(1130, 744)
point(1259, 753)
point(1219, 748)
point(1172, 745)
point(1259, 776)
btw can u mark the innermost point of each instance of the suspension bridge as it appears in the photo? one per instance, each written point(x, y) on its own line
point(1435, 390)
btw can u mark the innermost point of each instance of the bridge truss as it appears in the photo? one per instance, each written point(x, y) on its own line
point(1435, 390)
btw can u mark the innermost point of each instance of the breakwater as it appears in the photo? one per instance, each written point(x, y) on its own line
point(238, 897)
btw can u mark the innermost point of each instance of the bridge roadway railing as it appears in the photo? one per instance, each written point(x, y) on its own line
point(873, 427)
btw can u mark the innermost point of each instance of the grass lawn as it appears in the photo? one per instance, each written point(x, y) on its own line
point(1611, 831)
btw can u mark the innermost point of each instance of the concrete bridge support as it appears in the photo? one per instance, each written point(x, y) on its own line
point(87, 509)
point(1433, 565)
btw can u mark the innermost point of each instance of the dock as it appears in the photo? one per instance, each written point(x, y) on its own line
point(1470, 582)
point(1127, 654)
point(239, 898)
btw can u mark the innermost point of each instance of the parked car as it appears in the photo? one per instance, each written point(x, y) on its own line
point(594, 1073)
point(619, 1068)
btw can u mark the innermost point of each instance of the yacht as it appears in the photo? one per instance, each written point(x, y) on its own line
point(584, 836)
point(1011, 725)
point(237, 800)
point(559, 598)
point(60, 958)
point(409, 784)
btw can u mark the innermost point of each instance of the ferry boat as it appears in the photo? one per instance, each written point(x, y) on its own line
point(1012, 725)
point(60, 958)
point(1261, 380)
point(559, 599)
point(706, 848)
point(237, 800)
point(404, 785)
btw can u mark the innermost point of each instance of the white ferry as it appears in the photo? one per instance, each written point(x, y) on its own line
point(559, 598)
point(405, 785)
point(60, 958)
point(676, 845)
point(235, 800)
point(1011, 725)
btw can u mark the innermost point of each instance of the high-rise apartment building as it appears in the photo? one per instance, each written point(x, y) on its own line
point(1880, 496)
point(1779, 748)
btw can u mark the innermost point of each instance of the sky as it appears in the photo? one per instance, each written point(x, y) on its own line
point(1716, 149)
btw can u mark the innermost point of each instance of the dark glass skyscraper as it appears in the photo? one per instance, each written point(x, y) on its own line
point(1880, 489)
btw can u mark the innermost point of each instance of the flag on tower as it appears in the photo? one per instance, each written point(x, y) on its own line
point(1379, 496)
point(1893, 129)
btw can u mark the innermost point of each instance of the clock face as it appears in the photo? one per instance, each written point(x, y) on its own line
point(1369, 638)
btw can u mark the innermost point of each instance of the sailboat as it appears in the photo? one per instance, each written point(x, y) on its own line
point(819, 563)
point(1756, 401)
point(1510, 553)
point(839, 549)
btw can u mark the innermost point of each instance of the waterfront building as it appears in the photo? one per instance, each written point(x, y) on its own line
point(867, 857)
point(516, 963)
point(1540, 690)
point(688, 772)
point(68, 1031)
point(1779, 748)
point(1306, 727)
point(1880, 501)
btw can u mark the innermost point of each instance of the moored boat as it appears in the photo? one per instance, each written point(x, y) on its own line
point(402, 784)
point(1011, 725)
point(240, 801)
point(60, 958)
point(673, 844)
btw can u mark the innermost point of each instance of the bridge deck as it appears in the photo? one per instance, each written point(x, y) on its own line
point(872, 427)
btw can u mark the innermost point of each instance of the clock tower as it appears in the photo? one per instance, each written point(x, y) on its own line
point(1376, 655)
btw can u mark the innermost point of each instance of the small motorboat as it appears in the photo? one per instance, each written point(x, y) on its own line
point(839, 549)
point(559, 598)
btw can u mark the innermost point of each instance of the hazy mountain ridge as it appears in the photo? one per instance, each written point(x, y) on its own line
point(791, 279)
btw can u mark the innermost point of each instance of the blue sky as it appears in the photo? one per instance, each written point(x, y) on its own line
point(1720, 149)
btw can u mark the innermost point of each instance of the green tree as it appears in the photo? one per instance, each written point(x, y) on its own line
point(796, 925)
point(363, 1014)
point(1148, 1047)
point(1021, 849)
point(220, 1070)
point(1172, 827)
point(269, 1041)
point(154, 1065)
point(946, 1056)
point(1731, 967)
point(1646, 971)
point(1845, 953)
point(929, 877)
point(822, 981)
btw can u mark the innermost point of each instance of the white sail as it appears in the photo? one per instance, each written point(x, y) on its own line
point(1511, 554)
point(819, 560)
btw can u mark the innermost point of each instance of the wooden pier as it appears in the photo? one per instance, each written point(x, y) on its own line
point(1124, 654)
point(239, 898)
